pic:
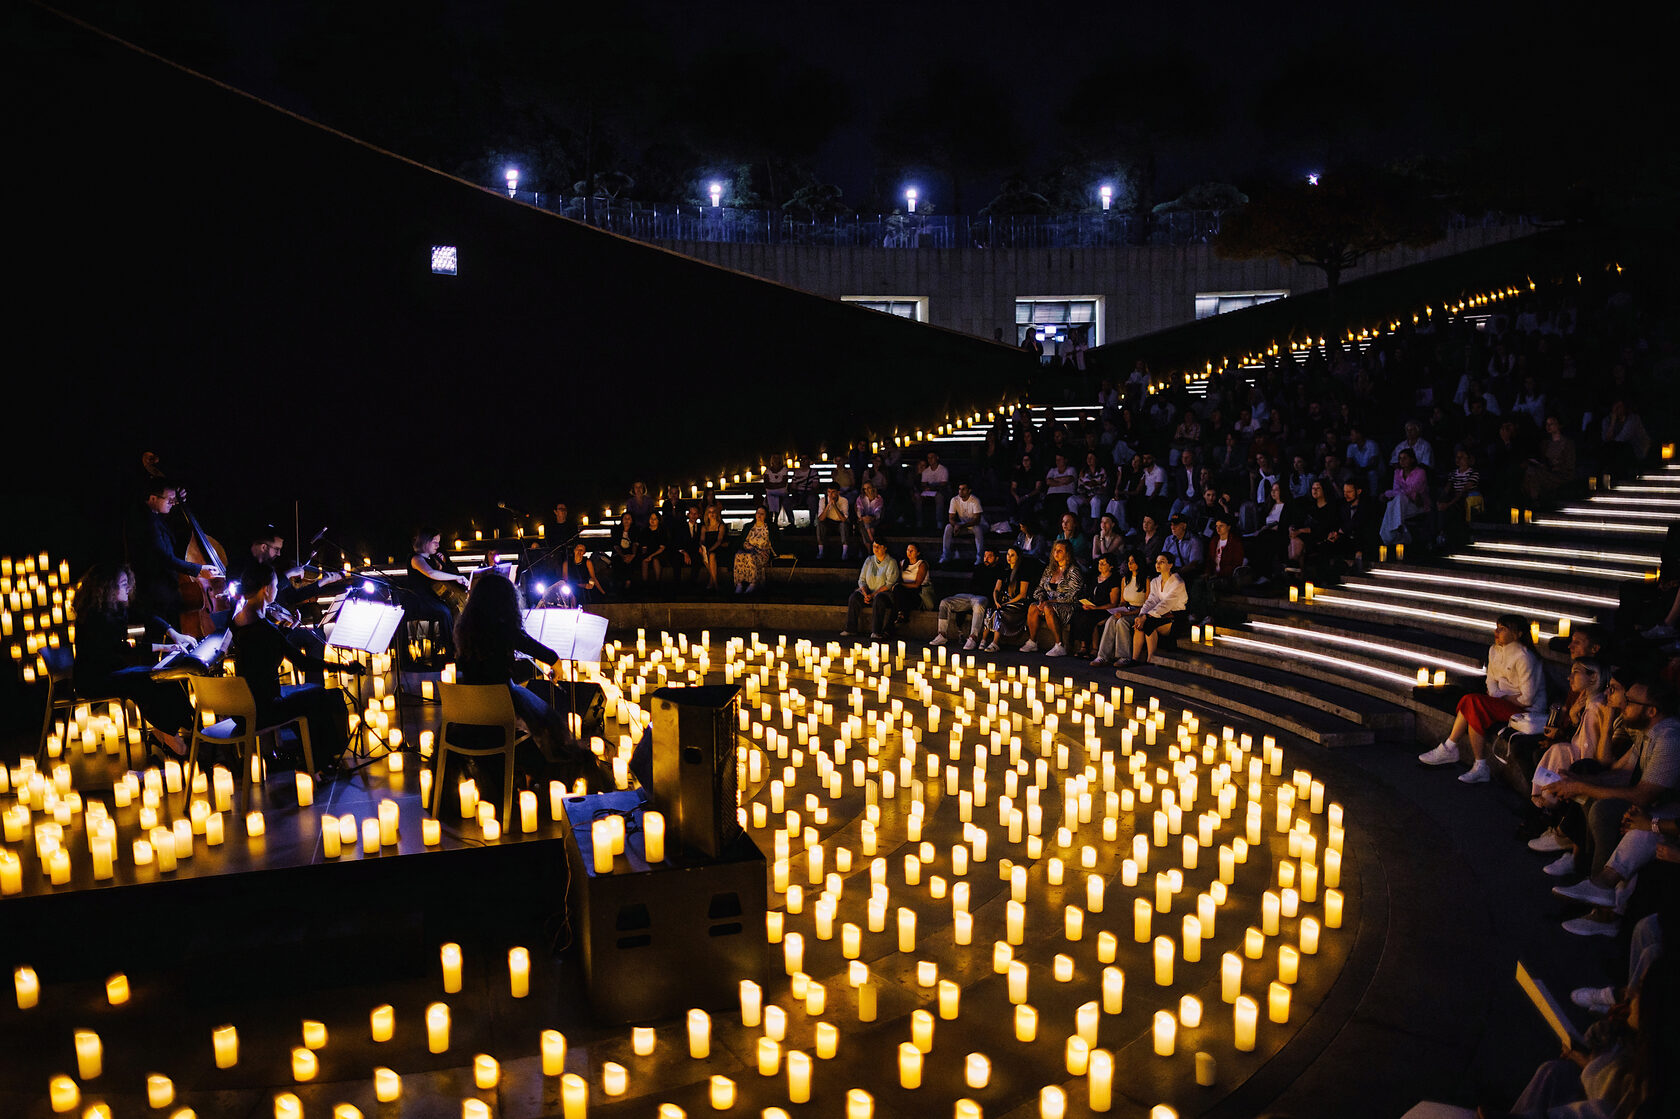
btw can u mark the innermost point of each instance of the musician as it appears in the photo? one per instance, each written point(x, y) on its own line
point(488, 636)
point(267, 546)
point(155, 566)
point(106, 665)
point(259, 646)
point(424, 602)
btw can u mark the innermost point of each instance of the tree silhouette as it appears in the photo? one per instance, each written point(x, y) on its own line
point(1334, 224)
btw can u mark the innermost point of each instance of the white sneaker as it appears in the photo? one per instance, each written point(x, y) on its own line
point(1548, 841)
point(1586, 926)
point(971, 644)
point(1030, 647)
point(939, 639)
point(1099, 662)
point(944, 559)
point(1477, 774)
point(1562, 866)
point(845, 633)
point(1588, 892)
point(1444, 754)
point(1657, 632)
point(1056, 650)
point(991, 648)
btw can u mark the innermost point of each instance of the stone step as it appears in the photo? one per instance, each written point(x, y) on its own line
point(1384, 643)
point(1305, 722)
point(1361, 708)
point(1456, 577)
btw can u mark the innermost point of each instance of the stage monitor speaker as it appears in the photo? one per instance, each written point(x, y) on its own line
point(694, 777)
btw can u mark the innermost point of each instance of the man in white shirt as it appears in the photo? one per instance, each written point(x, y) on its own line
point(934, 482)
point(834, 514)
point(1415, 443)
point(1154, 477)
point(965, 515)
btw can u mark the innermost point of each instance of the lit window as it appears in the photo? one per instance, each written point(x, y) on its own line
point(445, 260)
point(1210, 303)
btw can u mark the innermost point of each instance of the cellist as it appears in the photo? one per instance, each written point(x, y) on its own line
point(151, 553)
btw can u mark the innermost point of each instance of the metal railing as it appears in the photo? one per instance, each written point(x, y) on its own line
point(727, 225)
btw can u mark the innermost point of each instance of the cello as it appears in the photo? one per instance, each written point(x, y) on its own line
point(200, 597)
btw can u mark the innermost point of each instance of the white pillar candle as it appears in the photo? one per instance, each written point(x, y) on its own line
point(1165, 1033)
point(1245, 1013)
point(769, 1056)
point(314, 1034)
point(387, 1085)
point(1277, 1002)
point(1026, 1023)
point(382, 1023)
point(699, 1034)
point(387, 823)
point(752, 1001)
point(553, 1045)
point(437, 1027)
point(160, 1091)
point(224, 1042)
point(1100, 1080)
point(305, 790)
point(950, 998)
point(574, 1096)
point(909, 1065)
point(1142, 916)
point(828, 1040)
point(1270, 907)
point(921, 1030)
point(798, 1076)
point(63, 1094)
point(331, 846)
point(859, 1103)
point(653, 836)
point(977, 1071)
point(793, 953)
point(1254, 943)
point(90, 1055)
point(1230, 976)
point(1077, 1056)
point(906, 929)
point(370, 836)
point(519, 972)
point(304, 1064)
point(1309, 936)
point(449, 956)
point(1192, 938)
point(1017, 981)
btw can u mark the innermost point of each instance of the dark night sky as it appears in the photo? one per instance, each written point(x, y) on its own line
point(1542, 90)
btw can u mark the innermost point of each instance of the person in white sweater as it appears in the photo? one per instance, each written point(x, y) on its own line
point(1516, 693)
point(1167, 598)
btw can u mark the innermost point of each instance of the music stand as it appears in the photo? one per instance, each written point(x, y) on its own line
point(365, 627)
point(573, 634)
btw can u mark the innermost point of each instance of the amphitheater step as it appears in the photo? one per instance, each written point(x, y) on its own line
point(1387, 719)
point(1309, 723)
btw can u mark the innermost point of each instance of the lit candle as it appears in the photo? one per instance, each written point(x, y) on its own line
point(553, 1053)
point(437, 1027)
point(950, 998)
point(304, 1064)
point(752, 1002)
point(1017, 981)
point(1163, 961)
point(1077, 1055)
point(1289, 963)
point(1254, 943)
point(314, 1034)
point(828, 1040)
point(1270, 905)
point(1166, 1033)
point(699, 1034)
point(519, 972)
point(63, 1094)
point(305, 790)
point(921, 1030)
point(450, 956)
point(1332, 909)
point(859, 1104)
point(574, 1096)
point(90, 1055)
point(1142, 916)
point(431, 832)
point(909, 1065)
point(1230, 976)
point(653, 836)
point(906, 929)
point(1245, 1013)
point(224, 1040)
point(387, 823)
point(28, 987)
point(382, 1022)
point(387, 1085)
point(1026, 1023)
point(722, 1093)
point(1309, 936)
point(793, 953)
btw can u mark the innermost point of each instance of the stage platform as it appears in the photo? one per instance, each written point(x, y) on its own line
point(1399, 1003)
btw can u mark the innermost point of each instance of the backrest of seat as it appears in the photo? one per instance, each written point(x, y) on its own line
point(476, 706)
point(227, 696)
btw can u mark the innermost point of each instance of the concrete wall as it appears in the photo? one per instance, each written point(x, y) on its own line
point(1143, 288)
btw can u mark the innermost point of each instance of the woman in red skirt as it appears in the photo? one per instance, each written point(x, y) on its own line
point(1516, 691)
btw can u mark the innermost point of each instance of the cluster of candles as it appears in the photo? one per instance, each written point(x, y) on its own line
point(34, 610)
point(1080, 784)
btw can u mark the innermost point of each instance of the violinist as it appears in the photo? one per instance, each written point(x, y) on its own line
point(434, 591)
point(267, 545)
point(259, 647)
point(106, 665)
point(156, 567)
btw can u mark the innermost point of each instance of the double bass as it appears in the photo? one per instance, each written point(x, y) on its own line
point(200, 597)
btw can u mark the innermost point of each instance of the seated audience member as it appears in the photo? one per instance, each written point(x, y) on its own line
point(640, 504)
point(105, 664)
point(1225, 558)
point(489, 636)
point(915, 583)
point(623, 554)
point(1094, 605)
point(1109, 540)
point(1646, 776)
point(1648, 835)
point(1026, 491)
point(985, 580)
point(1055, 599)
point(965, 514)
point(1310, 524)
point(1407, 497)
point(1266, 546)
point(1091, 493)
point(1079, 545)
point(1011, 598)
point(752, 558)
point(877, 581)
point(933, 489)
point(1168, 597)
point(834, 516)
point(579, 582)
point(1414, 442)
point(1150, 540)
point(1580, 732)
point(804, 488)
point(714, 545)
point(1188, 552)
point(1353, 540)
point(1114, 643)
point(1461, 498)
point(1032, 543)
point(652, 550)
point(1552, 467)
point(1625, 440)
point(1516, 693)
point(776, 490)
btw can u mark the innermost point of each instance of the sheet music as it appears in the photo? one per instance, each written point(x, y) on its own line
point(1549, 1008)
point(573, 634)
point(507, 571)
point(364, 626)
